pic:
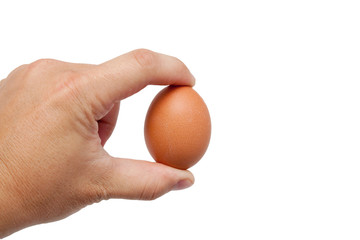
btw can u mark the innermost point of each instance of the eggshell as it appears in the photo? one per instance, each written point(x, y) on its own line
point(177, 127)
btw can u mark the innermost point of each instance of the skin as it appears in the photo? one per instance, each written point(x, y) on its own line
point(55, 119)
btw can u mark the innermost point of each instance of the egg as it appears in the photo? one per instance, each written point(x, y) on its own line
point(177, 127)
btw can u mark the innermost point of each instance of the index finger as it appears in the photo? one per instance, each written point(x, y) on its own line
point(127, 74)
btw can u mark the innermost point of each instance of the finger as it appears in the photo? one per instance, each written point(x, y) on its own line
point(125, 75)
point(134, 179)
point(107, 123)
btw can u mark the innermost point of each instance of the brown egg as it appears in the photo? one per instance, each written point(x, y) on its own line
point(177, 127)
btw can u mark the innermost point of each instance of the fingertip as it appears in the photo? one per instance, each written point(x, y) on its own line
point(190, 176)
point(186, 180)
point(193, 80)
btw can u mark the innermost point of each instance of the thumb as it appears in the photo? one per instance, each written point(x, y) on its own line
point(135, 179)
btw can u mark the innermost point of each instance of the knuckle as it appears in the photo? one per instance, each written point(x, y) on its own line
point(154, 196)
point(40, 63)
point(33, 70)
point(149, 194)
point(156, 188)
point(17, 71)
point(144, 58)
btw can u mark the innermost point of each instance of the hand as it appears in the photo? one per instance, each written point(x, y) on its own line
point(55, 118)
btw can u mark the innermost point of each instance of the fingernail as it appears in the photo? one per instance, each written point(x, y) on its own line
point(182, 184)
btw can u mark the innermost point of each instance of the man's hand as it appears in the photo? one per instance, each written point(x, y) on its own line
point(55, 118)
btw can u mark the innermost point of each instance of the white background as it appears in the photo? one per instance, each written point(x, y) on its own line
point(281, 80)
